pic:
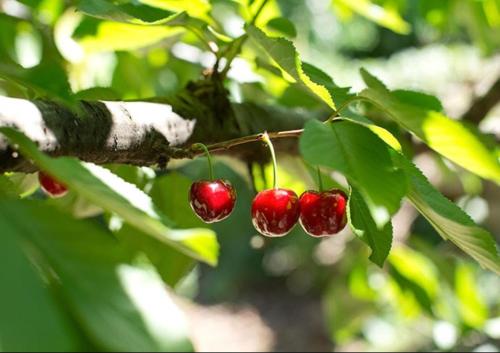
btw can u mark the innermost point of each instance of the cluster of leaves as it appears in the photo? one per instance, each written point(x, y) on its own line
point(98, 282)
point(373, 163)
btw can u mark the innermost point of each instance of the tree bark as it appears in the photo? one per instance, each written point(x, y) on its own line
point(138, 133)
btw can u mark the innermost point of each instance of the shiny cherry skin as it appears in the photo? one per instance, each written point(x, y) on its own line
point(275, 212)
point(212, 201)
point(50, 186)
point(323, 213)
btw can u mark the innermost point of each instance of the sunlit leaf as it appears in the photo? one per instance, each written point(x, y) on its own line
point(383, 16)
point(364, 226)
point(115, 36)
point(446, 136)
point(415, 273)
point(283, 52)
point(123, 11)
point(472, 306)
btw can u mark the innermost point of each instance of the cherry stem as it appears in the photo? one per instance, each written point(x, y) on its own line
point(267, 140)
point(320, 180)
point(203, 147)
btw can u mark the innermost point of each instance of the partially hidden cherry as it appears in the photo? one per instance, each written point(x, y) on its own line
point(275, 212)
point(212, 201)
point(50, 186)
point(323, 213)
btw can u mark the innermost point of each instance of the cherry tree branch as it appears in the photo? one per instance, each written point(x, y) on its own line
point(482, 105)
point(144, 133)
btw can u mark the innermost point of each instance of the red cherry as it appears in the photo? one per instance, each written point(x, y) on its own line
point(50, 186)
point(212, 201)
point(323, 213)
point(275, 212)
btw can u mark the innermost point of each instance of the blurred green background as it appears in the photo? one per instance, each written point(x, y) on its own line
point(299, 293)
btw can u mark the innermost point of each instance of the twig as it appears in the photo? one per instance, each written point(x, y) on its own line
point(482, 105)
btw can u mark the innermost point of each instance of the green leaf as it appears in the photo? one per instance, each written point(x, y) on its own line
point(472, 306)
point(283, 52)
point(97, 36)
point(119, 307)
point(123, 11)
point(449, 220)
point(46, 79)
point(103, 188)
point(98, 93)
point(419, 99)
point(362, 157)
point(340, 95)
point(364, 226)
point(372, 81)
point(446, 136)
point(7, 188)
point(24, 184)
point(282, 25)
point(171, 265)
point(383, 16)
point(32, 320)
point(169, 193)
point(415, 273)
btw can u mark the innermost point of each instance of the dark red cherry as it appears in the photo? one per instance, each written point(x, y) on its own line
point(323, 213)
point(212, 201)
point(275, 212)
point(50, 186)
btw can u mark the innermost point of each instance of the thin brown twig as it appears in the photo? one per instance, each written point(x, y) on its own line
point(226, 145)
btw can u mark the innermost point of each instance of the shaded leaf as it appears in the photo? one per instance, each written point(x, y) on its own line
point(103, 188)
point(32, 320)
point(283, 25)
point(111, 300)
point(362, 157)
point(46, 79)
point(364, 226)
point(449, 220)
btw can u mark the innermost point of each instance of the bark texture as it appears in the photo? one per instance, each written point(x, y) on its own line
point(140, 133)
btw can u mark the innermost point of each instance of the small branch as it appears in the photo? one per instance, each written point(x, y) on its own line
point(143, 133)
point(238, 42)
point(482, 105)
point(226, 145)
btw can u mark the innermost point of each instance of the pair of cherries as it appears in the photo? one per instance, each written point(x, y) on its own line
point(274, 211)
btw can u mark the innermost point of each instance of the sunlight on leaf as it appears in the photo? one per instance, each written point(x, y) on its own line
point(383, 16)
point(283, 52)
point(446, 136)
